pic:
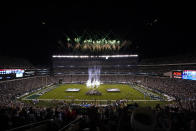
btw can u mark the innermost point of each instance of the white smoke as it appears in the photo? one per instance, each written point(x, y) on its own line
point(93, 77)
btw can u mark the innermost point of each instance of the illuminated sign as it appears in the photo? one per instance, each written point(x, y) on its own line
point(189, 74)
point(101, 56)
point(18, 72)
point(177, 74)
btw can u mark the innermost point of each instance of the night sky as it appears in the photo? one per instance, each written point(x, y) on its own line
point(157, 29)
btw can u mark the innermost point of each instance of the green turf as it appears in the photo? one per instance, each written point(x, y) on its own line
point(126, 92)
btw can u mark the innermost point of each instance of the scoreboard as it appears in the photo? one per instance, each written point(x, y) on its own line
point(185, 74)
point(177, 74)
point(11, 73)
point(189, 74)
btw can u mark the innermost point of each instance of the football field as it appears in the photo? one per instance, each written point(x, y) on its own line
point(55, 94)
point(60, 93)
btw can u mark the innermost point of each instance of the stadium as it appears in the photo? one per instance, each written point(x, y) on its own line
point(105, 75)
point(94, 79)
point(87, 82)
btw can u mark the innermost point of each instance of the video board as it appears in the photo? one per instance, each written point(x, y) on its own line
point(18, 72)
point(189, 74)
point(177, 74)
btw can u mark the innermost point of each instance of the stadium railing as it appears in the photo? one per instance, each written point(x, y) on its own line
point(69, 124)
point(31, 125)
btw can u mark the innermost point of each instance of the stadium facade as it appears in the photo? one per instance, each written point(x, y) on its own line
point(76, 67)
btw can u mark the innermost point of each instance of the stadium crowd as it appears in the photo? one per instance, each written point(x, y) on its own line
point(182, 90)
point(10, 90)
point(113, 117)
point(116, 116)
